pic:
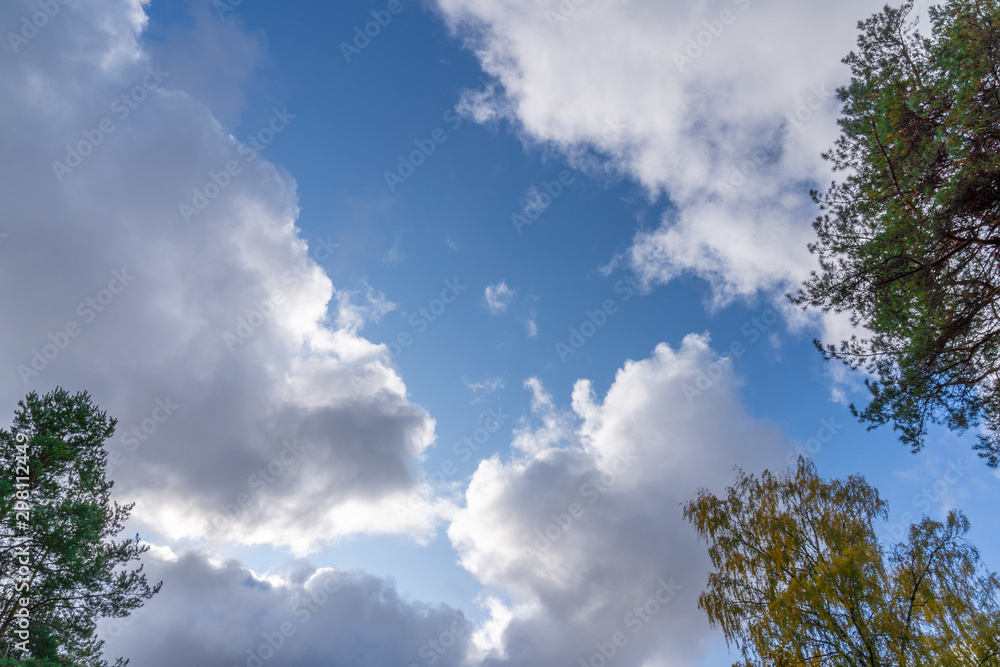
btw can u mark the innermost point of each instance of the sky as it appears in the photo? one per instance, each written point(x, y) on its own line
point(422, 319)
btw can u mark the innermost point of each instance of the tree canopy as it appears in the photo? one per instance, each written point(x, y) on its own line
point(59, 561)
point(799, 578)
point(909, 239)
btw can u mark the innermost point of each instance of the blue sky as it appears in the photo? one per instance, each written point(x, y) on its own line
point(633, 240)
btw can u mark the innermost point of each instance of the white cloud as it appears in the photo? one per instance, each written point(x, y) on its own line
point(395, 256)
point(584, 523)
point(498, 297)
point(484, 388)
point(299, 427)
point(713, 126)
point(354, 316)
point(214, 612)
point(225, 318)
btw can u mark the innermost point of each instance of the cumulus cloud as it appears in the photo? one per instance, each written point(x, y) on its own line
point(583, 526)
point(214, 612)
point(498, 297)
point(724, 106)
point(158, 265)
point(178, 291)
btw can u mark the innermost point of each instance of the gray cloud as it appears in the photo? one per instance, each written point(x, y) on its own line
point(724, 107)
point(583, 524)
point(220, 614)
point(159, 260)
point(252, 408)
